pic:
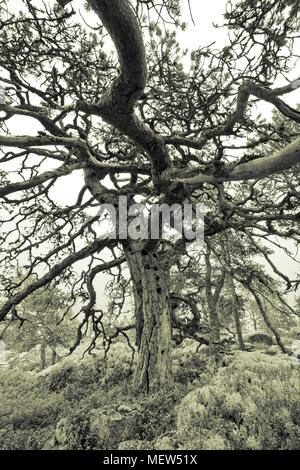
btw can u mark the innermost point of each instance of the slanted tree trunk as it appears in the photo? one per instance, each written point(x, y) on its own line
point(151, 289)
point(267, 321)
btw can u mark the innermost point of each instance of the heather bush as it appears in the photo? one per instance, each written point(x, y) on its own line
point(253, 403)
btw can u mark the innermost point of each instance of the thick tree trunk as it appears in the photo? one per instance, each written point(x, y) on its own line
point(150, 279)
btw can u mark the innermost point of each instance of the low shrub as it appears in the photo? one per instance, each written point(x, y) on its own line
point(260, 338)
point(73, 432)
point(251, 404)
point(294, 332)
point(28, 414)
point(158, 413)
point(189, 368)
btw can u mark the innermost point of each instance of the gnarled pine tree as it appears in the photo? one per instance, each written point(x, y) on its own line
point(160, 132)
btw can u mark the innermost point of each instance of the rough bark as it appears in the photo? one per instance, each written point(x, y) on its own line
point(151, 290)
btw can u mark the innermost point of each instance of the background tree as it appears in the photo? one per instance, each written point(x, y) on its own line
point(136, 123)
point(38, 322)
